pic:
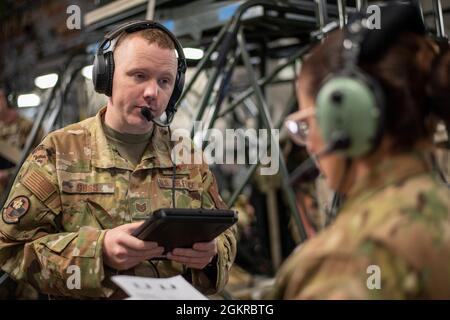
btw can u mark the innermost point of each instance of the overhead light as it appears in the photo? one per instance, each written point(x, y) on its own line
point(46, 81)
point(193, 53)
point(28, 100)
point(292, 126)
point(214, 56)
point(287, 73)
point(87, 72)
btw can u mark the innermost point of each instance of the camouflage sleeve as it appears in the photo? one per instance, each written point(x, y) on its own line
point(214, 277)
point(32, 247)
point(378, 274)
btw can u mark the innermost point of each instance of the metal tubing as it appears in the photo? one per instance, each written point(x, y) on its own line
point(238, 190)
point(228, 72)
point(439, 18)
point(248, 92)
point(322, 13)
point(249, 174)
point(274, 229)
point(419, 6)
point(202, 63)
point(263, 109)
point(205, 99)
point(341, 12)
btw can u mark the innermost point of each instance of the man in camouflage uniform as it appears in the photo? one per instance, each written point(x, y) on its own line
point(393, 218)
point(14, 130)
point(77, 197)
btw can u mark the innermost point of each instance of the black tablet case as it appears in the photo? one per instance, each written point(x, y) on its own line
point(181, 228)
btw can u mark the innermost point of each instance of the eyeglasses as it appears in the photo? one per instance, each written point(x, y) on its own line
point(297, 126)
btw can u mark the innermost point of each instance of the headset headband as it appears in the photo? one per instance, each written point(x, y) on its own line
point(134, 26)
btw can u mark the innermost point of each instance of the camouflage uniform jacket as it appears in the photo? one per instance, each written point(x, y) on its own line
point(15, 135)
point(394, 227)
point(74, 186)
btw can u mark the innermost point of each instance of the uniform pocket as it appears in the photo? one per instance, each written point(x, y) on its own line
point(76, 244)
point(87, 243)
point(105, 219)
point(61, 242)
point(84, 202)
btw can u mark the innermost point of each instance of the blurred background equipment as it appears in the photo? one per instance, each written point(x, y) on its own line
point(243, 58)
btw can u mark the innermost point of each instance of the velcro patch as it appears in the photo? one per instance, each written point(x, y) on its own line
point(167, 183)
point(85, 187)
point(38, 184)
point(16, 209)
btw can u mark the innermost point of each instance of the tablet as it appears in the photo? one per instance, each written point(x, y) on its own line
point(181, 228)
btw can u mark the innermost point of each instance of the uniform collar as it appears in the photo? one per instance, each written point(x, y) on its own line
point(156, 155)
point(390, 171)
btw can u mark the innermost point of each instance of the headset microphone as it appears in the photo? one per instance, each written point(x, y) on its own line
point(147, 114)
point(308, 169)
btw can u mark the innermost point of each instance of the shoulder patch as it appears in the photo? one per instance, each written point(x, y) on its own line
point(40, 155)
point(16, 209)
point(38, 184)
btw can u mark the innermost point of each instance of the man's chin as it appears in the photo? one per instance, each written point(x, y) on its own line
point(139, 123)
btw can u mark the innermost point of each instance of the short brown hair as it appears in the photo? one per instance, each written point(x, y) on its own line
point(152, 35)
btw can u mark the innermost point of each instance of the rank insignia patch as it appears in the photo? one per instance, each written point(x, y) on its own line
point(16, 209)
point(141, 207)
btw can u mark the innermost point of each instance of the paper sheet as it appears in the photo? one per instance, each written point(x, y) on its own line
point(141, 288)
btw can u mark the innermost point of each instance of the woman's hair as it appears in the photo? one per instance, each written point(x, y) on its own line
point(412, 73)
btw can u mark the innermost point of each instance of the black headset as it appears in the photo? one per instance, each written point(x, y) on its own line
point(103, 69)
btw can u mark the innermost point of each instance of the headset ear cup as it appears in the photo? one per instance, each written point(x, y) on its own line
point(347, 106)
point(98, 73)
point(109, 59)
point(102, 72)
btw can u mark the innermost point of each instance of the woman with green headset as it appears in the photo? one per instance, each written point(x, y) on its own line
point(368, 120)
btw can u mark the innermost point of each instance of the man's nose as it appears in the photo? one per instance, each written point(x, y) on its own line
point(151, 90)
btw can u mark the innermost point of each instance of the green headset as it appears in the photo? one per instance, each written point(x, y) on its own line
point(351, 104)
